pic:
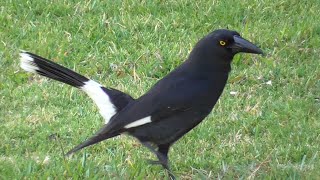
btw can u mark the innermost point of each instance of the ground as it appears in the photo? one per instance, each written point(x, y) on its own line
point(266, 124)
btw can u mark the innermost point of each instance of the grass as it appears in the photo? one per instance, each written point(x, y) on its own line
point(265, 131)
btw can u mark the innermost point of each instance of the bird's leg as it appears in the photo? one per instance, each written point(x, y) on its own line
point(162, 154)
point(149, 146)
point(152, 149)
point(163, 150)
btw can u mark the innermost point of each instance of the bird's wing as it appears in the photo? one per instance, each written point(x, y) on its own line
point(109, 101)
point(105, 132)
point(162, 101)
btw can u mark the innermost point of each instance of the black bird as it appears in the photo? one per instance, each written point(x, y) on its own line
point(171, 108)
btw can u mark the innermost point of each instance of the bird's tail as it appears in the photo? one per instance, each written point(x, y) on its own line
point(33, 63)
point(109, 101)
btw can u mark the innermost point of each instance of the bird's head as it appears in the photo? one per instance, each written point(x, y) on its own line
point(230, 42)
point(221, 45)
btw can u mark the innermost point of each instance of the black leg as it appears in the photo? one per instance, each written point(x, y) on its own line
point(149, 146)
point(152, 149)
point(163, 149)
point(162, 154)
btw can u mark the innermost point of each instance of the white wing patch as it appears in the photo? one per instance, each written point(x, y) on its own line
point(94, 90)
point(26, 63)
point(139, 122)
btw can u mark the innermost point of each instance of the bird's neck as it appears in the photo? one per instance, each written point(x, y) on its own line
point(203, 59)
point(207, 66)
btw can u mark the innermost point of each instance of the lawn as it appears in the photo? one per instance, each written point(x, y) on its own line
point(265, 126)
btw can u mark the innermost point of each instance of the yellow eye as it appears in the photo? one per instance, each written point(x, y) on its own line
point(222, 43)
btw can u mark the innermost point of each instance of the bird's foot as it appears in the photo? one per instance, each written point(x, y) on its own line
point(165, 165)
point(172, 177)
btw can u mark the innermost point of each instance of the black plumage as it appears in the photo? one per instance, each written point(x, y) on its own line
point(174, 105)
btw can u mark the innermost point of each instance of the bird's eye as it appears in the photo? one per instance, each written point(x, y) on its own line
point(222, 43)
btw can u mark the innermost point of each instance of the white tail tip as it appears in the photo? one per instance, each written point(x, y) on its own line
point(27, 63)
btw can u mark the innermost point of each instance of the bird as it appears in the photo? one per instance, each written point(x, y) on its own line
point(175, 104)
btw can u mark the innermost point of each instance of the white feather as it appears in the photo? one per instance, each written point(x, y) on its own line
point(107, 109)
point(27, 63)
point(139, 122)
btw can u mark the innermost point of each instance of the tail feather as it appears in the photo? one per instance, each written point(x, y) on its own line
point(109, 101)
point(36, 64)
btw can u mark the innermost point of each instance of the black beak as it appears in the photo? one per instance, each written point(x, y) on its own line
point(243, 45)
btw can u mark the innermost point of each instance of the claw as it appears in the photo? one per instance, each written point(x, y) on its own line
point(171, 175)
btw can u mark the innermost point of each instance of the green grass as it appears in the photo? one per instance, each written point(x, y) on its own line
point(264, 131)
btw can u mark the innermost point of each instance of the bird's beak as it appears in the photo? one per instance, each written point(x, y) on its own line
point(243, 45)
